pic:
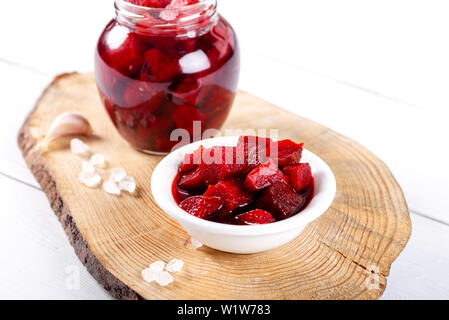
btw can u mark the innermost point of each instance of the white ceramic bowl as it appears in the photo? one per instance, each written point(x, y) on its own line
point(235, 238)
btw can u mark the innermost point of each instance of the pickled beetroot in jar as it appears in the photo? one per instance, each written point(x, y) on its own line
point(164, 65)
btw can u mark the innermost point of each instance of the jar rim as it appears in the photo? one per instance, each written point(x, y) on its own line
point(126, 5)
point(193, 19)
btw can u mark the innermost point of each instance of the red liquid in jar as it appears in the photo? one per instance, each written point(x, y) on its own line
point(154, 82)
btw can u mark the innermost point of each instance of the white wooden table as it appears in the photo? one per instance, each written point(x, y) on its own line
point(376, 71)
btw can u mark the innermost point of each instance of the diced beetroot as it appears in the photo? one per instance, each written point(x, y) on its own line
point(191, 2)
point(181, 3)
point(192, 160)
point(299, 175)
point(218, 44)
point(202, 206)
point(185, 90)
point(215, 164)
point(192, 180)
point(149, 128)
point(159, 67)
point(187, 46)
point(257, 216)
point(180, 194)
point(281, 200)
point(232, 193)
point(185, 116)
point(253, 150)
point(187, 165)
point(231, 167)
point(263, 176)
point(211, 172)
point(127, 57)
point(197, 155)
point(150, 106)
point(218, 163)
point(263, 195)
point(151, 3)
point(138, 93)
point(286, 152)
point(144, 25)
point(226, 158)
point(212, 99)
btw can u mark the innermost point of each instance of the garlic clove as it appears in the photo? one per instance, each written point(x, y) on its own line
point(66, 124)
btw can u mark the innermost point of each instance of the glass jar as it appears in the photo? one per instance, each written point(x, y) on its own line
point(158, 70)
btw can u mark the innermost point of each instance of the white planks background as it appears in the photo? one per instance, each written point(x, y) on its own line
point(376, 71)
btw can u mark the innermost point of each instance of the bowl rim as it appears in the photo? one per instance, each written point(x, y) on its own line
point(165, 173)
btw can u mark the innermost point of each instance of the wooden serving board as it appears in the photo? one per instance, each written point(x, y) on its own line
point(353, 244)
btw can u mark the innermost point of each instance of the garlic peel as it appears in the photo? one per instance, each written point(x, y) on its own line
point(66, 124)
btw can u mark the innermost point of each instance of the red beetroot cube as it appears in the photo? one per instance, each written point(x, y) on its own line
point(252, 150)
point(185, 90)
point(299, 175)
point(192, 180)
point(257, 216)
point(181, 3)
point(150, 106)
point(213, 97)
point(213, 164)
point(188, 45)
point(138, 93)
point(226, 158)
point(286, 152)
point(190, 2)
point(144, 25)
point(233, 194)
point(217, 50)
point(187, 165)
point(281, 200)
point(232, 168)
point(215, 102)
point(201, 206)
point(127, 57)
point(211, 171)
point(159, 67)
point(151, 3)
point(218, 163)
point(263, 176)
point(185, 116)
point(152, 133)
point(192, 160)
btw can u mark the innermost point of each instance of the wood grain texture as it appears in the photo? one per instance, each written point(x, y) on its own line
point(366, 228)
